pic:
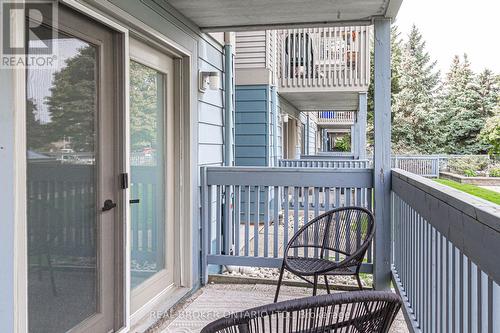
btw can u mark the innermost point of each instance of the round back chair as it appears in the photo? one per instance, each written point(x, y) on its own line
point(333, 243)
point(358, 311)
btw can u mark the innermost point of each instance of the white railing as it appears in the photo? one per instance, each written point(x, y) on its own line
point(326, 163)
point(445, 246)
point(422, 165)
point(324, 57)
point(336, 117)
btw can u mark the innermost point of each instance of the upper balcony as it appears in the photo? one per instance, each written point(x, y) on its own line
point(334, 119)
point(324, 59)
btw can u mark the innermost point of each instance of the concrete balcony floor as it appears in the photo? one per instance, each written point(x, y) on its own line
point(217, 300)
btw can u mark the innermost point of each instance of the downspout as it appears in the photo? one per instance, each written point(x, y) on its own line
point(228, 100)
point(274, 102)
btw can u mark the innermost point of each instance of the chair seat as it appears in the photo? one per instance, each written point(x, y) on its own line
point(308, 266)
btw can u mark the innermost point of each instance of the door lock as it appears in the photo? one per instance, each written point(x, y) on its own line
point(108, 205)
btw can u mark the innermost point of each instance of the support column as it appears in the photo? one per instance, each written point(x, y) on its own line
point(353, 140)
point(229, 103)
point(324, 134)
point(382, 154)
point(362, 120)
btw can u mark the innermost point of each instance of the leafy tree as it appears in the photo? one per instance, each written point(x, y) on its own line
point(414, 108)
point(490, 134)
point(72, 103)
point(144, 90)
point(468, 101)
point(36, 132)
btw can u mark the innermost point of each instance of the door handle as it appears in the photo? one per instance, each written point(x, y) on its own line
point(108, 205)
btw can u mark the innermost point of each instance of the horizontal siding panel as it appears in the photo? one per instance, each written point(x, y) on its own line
point(210, 54)
point(251, 48)
point(251, 129)
point(209, 154)
point(251, 95)
point(251, 107)
point(210, 114)
point(251, 117)
point(245, 161)
point(211, 134)
point(250, 151)
point(251, 140)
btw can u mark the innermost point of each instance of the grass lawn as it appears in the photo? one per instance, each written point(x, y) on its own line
point(473, 189)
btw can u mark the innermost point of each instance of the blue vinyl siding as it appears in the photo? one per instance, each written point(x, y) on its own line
point(252, 125)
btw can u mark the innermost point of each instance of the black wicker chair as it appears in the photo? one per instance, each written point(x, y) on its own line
point(358, 311)
point(333, 243)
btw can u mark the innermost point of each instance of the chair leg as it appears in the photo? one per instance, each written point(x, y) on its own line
point(327, 285)
point(360, 285)
point(315, 286)
point(279, 283)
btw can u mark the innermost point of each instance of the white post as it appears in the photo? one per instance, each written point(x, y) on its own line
point(13, 240)
point(362, 119)
point(382, 154)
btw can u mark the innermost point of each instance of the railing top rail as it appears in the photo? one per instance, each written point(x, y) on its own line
point(470, 223)
point(310, 177)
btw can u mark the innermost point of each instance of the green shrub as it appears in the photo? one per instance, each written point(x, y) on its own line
point(495, 172)
point(470, 173)
point(463, 164)
point(343, 144)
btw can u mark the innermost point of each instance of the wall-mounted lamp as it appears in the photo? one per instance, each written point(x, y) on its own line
point(285, 118)
point(208, 80)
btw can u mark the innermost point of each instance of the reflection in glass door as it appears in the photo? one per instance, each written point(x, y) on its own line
point(69, 169)
point(151, 173)
point(147, 172)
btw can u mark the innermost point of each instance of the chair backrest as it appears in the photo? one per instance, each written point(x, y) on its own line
point(358, 311)
point(346, 231)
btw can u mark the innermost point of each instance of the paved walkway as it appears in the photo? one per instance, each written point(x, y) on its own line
point(217, 300)
point(492, 188)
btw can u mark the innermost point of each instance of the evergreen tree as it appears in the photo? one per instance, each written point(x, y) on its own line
point(468, 101)
point(414, 107)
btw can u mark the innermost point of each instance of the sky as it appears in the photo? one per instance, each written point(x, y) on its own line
point(453, 27)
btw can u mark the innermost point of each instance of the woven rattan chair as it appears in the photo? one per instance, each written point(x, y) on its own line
point(333, 243)
point(358, 311)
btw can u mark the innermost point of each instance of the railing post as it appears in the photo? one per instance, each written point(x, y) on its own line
point(362, 119)
point(205, 237)
point(382, 154)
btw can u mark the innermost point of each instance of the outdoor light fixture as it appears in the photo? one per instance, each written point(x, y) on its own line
point(285, 118)
point(208, 80)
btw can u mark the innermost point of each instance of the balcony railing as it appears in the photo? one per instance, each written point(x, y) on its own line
point(336, 117)
point(325, 163)
point(324, 57)
point(445, 256)
point(249, 214)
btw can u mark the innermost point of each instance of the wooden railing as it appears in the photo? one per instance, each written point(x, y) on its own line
point(336, 117)
point(445, 247)
point(324, 57)
point(249, 214)
point(325, 163)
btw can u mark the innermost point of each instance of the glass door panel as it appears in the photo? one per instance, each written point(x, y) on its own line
point(69, 168)
point(147, 164)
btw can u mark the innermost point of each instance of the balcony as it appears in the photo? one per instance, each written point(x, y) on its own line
point(323, 68)
point(336, 118)
point(443, 243)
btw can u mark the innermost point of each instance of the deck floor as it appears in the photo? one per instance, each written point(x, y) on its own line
point(217, 300)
